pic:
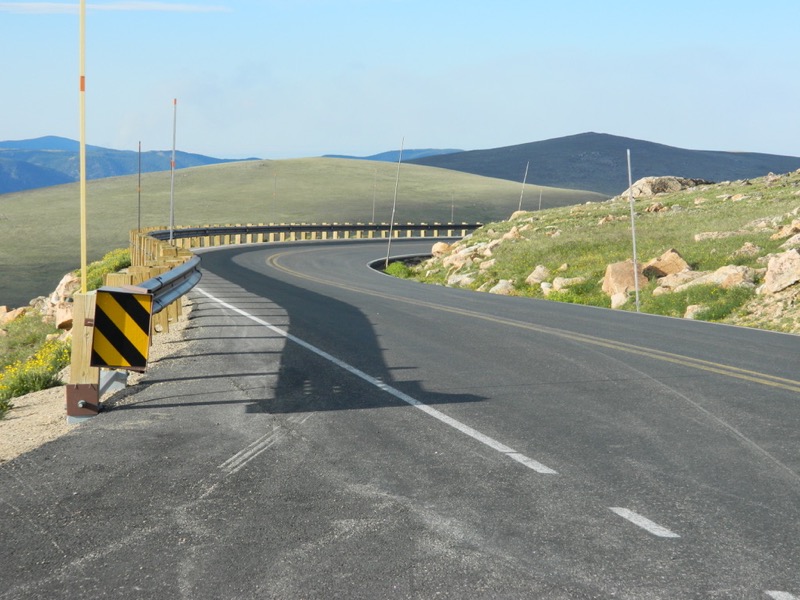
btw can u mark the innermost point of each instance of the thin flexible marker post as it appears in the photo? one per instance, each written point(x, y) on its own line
point(633, 231)
point(524, 179)
point(394, 203)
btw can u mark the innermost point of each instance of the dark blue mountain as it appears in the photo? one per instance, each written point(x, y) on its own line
point(51, 160)
point(598, 162)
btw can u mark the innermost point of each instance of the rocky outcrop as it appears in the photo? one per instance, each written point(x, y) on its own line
point(650, 186)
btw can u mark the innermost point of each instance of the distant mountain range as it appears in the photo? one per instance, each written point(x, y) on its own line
point(51, 160)
point(394, 155)
point(598, 162)
point(595, 162)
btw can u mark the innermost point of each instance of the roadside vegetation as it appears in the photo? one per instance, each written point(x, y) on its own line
point(37, 252)
point(711, 226)
point(32, 354)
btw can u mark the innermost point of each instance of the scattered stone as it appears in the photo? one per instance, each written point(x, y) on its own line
point(693, 310)
point(440, 249)
point(538, 275)
point(619, 279)
point(12, 315)
point(672, 282)
point(787, 230)
point(715, 235)
point(63, 315)
point(792, 242)
point(724, 277)
point(487, 264)
point(504, 288)
point(747, 250)
point(547, 288)
point(783, 271)
point(650, 186)
point(739, 197)
point(619, 300)
point(669, 263)
point(513, 234)
point(562, 283)
point(460, 280)
point(655, 207)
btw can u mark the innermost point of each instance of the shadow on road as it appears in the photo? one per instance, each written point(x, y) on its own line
point(275, 374)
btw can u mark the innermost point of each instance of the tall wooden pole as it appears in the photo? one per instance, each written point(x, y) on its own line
point(172, 169)
point(82, 127)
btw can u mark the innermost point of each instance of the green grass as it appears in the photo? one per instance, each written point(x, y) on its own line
point(40, 228)
point(583, 247)
point(111, 263)
point(398, 269)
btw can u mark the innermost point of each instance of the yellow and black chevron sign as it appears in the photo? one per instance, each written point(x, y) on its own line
point(121, 337)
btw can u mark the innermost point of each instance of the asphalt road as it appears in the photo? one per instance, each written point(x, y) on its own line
point(335, 433)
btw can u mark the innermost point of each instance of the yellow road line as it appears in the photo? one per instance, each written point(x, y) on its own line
point(686, 361)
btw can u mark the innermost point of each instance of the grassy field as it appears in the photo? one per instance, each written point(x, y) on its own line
point(40, 229)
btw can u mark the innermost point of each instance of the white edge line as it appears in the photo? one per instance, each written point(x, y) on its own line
point(644, 522)
point(781, 596)
point(458, 425)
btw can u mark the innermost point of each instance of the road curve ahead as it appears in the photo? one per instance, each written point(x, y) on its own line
point(335, 433)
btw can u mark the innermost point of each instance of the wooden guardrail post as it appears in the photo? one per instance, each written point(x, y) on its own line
point(83, 390)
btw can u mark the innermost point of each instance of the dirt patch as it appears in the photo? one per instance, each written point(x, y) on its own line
point(40, 417)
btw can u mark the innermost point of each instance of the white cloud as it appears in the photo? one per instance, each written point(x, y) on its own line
point(72, 8)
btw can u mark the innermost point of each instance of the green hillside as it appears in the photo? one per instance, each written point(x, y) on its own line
point(40, 228)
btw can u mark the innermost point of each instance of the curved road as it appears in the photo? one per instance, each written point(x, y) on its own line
point(335, 433)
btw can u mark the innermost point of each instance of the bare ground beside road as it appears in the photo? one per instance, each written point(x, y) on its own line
point(40, 417)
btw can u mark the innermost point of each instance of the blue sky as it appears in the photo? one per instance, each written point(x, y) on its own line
point(295, 78)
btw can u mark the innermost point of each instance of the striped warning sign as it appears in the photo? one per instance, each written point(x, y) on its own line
point(121, 337)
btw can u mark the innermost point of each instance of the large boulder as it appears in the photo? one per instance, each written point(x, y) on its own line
point(669, 263)
point(619, 281)
point(783, 271)
point(440, 249)
point(725, 277)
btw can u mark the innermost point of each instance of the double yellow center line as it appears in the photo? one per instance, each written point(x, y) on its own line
point(693, 363)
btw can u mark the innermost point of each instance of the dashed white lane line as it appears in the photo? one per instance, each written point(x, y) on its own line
point(440, 416)
point(644, 523)
point(781, 596)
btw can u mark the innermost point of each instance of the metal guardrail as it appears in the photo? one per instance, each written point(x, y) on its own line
point(310, 228)
point(173, 284)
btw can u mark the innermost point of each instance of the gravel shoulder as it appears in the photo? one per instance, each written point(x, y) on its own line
point(40, 417)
